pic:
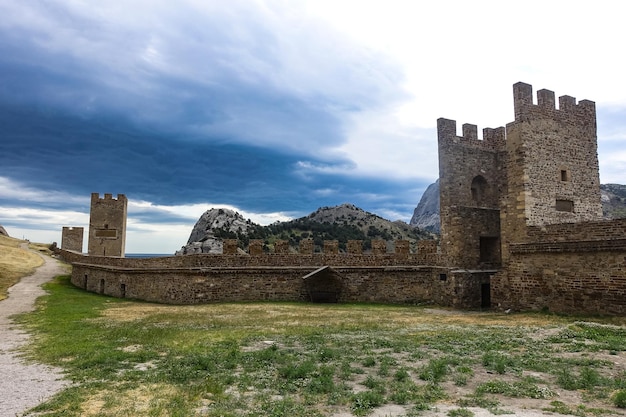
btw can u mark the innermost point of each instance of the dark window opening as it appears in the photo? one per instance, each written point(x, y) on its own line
point(443, 277)
point(101, 288)
point(85, 282)
point(565, 205)
point(490, 250)
point(565, 175)
point(123, 290)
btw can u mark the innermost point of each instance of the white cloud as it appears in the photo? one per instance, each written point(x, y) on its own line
point(16, 191)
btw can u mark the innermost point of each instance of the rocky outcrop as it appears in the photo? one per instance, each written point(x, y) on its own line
point(208, 232)
point(3, 232)
point(426, 214)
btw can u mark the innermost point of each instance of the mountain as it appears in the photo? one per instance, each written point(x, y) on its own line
point(426, 214)
point(213, 226)
point(342, 223)
point(613, 201)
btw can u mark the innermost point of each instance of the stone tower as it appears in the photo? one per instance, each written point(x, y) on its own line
point(541, 170)
point(72, 239)
point(553, 174)
point(107, 225)
point(472, 180)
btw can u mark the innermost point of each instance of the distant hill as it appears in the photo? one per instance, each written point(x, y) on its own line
point(426, 214)
point(342, 223)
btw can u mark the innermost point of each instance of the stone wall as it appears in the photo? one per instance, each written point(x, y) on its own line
point(72, 238)
point(567, 268)
point(407, 284)
point(567, 281)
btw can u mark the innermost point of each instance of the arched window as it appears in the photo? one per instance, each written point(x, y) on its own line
point(480, 187)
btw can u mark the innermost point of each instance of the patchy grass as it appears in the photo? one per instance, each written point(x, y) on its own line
point(15, 262)
point(289, 359)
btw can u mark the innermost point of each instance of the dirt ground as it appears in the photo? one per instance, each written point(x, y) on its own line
point(23, 385)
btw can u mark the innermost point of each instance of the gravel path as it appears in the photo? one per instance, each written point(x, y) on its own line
point(24, 385)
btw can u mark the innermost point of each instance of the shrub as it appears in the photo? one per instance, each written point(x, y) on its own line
point(619, 399)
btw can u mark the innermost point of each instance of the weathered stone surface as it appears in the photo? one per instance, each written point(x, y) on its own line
point(3, 232)
point(72, 238)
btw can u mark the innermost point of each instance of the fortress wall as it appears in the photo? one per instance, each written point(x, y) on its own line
point(567, 268)
point(594, 230)
point(72, 238)
point(564, 280)
point(265, 259)
point(204, 285)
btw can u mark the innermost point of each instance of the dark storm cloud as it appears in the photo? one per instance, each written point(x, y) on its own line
point(183, 105)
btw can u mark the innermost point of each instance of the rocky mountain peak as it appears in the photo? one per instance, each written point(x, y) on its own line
point(203, 237)
point(343, 222)
point(426, 214)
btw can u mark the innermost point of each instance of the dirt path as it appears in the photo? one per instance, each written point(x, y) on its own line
point(24, 385)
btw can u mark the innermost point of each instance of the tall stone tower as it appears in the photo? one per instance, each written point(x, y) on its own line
point(107, 225)
point(472, 180)
point(553, 174)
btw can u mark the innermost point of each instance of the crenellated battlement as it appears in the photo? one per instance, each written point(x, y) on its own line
point(401, 248)
point(95, 197)
point(493, 139)
point(524, 107)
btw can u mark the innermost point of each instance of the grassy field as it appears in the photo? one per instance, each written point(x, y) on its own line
point(280, 359)
point(16, 262)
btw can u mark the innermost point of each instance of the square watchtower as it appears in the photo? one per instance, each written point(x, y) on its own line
point(553, 174)
point(107, 225)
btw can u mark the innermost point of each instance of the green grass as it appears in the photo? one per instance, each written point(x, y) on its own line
point(289, 359)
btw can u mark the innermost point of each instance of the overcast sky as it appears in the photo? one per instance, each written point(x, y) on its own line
point(272, 108)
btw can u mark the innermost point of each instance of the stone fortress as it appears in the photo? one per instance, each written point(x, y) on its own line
point(521, 229)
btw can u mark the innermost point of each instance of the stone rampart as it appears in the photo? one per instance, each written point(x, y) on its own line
point(401, 277)
point(566, 281)
point(406, 284)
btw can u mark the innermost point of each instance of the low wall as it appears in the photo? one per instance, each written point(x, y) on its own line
point(409, 284)
point(196, 279)
point(261, 260)
point(563, 278)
